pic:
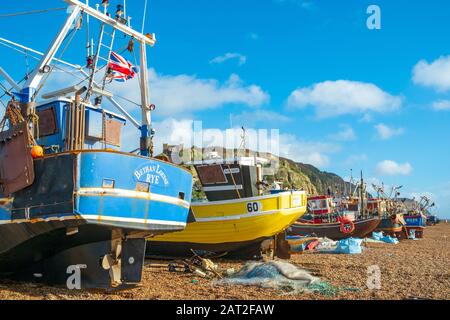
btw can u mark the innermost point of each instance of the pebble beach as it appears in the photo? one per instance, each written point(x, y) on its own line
point(409, 270)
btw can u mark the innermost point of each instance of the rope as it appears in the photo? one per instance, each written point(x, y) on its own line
point(30, 12)
point(14, 115)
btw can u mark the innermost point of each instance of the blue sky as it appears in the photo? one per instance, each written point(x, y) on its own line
point(343, 96)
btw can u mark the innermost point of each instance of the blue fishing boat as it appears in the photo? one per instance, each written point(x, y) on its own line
point(75, 208)
point(416, 218)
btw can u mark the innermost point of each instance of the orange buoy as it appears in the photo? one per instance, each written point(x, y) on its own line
point(37, 152)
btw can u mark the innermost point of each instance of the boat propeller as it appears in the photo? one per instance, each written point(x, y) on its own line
point(113, 263)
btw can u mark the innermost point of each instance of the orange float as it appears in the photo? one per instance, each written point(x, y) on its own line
point(37, 152)
point(347, 226)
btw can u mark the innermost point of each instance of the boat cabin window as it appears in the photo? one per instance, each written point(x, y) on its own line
point(318, 204)
point(211, 174)
point(47, 122)
point(113, 129)
point(102, 127)
point(62, 127)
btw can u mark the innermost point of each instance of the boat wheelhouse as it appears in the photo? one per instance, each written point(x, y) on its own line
point(321, 209)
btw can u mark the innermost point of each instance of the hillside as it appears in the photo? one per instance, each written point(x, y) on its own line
point(323, 180)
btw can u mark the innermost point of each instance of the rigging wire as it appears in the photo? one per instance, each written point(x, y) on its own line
point(73, 73)
point(143, 18)
point(138, 74)
point(8, 92)
point(31, 12)
point(72, 34)
point(27, 64)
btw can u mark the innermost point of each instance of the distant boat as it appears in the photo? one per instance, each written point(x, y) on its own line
point(392, 225)
point(326, 222)
point(334, 231)
point(415, 224)
point(433, 220)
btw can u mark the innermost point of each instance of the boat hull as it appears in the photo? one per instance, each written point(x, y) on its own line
point(392, 226)
point(48, 256)
point(416, 232)
point(333, 230)
point(229, 227)
point(80, 204)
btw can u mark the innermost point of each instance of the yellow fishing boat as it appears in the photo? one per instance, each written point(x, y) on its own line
point(237, 226)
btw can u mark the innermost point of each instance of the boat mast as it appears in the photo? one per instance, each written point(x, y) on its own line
point(361, 195)
point(146, 130)
point(28, 90)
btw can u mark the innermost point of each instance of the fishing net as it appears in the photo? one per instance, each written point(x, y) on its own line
point(280, 276)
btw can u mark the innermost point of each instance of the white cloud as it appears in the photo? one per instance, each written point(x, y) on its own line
point(250, 118)
point(309, 152)
point(170, 130)
point(335, 98)
point(441, 105)
point(435, 75)
point(176, 94)
point(355, 159)
point(345, 134)
point(230, 56)
point(391, 168)
point(367, 118)
point(385, 132)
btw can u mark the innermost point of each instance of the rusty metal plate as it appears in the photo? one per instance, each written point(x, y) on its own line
point(113, 129)
point(16, 164)
point(47, 122)
point(211, 174)
point(52, 190)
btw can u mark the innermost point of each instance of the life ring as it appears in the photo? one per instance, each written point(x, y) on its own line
point(347, 227)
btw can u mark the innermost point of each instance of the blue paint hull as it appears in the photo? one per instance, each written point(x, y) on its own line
point(415, 221)
point(101, 188)
point(90, 198)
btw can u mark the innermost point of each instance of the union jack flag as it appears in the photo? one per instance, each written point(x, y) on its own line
point(122, 70)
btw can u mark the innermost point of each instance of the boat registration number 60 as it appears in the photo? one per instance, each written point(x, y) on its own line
point(254, 206)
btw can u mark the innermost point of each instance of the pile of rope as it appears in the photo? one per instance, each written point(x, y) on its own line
point(13, 116)
point(282, 276)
